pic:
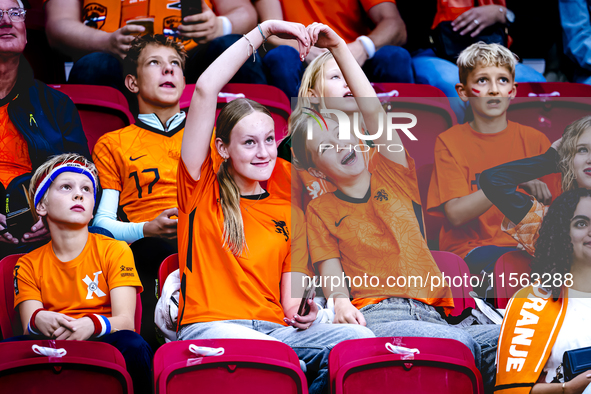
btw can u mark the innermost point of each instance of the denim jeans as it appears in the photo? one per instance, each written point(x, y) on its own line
point(402, 317)
point(284, 68)
point(443, 74)
point(312, 345)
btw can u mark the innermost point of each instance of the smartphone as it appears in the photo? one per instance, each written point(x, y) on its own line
point(309, 294)
point(19, 222)
point(190, 7)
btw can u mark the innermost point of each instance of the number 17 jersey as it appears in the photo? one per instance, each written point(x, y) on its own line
point(141, 163)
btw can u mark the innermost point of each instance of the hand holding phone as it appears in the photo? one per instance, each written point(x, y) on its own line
point(190, 7)
point(309, 294)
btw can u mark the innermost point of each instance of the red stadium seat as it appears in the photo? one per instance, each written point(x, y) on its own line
point(367, 366)
point(10, 323)
point(101, 108)
point(551, 106)
point(247, 365)
point(168, 266)
point(87, 367)
point(453, 266)
point(429, 105)
point(271, 97)
point(433, 223)
point(510, 265)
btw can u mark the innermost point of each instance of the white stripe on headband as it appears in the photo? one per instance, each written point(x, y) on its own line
point(66, 167)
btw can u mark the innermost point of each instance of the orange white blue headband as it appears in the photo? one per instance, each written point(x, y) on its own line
point(71, 166)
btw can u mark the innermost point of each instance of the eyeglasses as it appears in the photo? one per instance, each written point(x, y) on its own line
point(15, 14)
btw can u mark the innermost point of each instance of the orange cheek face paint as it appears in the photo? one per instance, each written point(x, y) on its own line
point(475, 91)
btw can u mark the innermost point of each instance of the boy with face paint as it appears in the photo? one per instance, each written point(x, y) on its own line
point(472, 229)
point(80, 286)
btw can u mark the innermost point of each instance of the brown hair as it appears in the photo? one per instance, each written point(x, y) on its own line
point(230, 115)
point(130, 62)
point(568, 150)
point(485, 55)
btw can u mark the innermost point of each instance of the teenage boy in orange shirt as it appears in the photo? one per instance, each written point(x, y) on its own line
point(472, 229)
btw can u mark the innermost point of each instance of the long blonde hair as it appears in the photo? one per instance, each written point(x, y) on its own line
point(568, 150)
point(231, 114)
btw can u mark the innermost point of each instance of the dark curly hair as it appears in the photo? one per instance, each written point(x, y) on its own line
point(554, 248)
point(130, 62)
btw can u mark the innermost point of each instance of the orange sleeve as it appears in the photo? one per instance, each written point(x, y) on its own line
point(321, 243)
point(121, 269)
point(299, 243)
point(109, 174)
point(25, 285)
point(447, 181)
point(367, 4)
point(189, 189)
point(526, 232)
point(280, 182)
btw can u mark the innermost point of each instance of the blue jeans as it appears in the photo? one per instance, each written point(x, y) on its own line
point(136, 352)
point(284, 68)
point(312, 345)
point(443, 74)
point(411, 318)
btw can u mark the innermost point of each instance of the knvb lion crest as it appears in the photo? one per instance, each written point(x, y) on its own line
point(281, 228)
point(381, 195)
point(94, 15)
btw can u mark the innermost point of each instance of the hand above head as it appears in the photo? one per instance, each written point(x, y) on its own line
point(288, 30)
point(203, 27)
point(5, 236)
point(162, 226)
point(38, 233)
point(556, 144)
point(346, 313)
point(323, 36)
point(120, 40)
point(477, 19)
point(314, 53)
point(303, 322)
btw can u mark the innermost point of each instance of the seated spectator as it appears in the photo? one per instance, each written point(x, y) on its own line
point(544, 321)
point(570, 155)
point(472, 229)
point(75, 287)
point(372, 225)
point(575, 17)
point(373, 30)
point(465, 19)
point(36, 122)
point(236, 254)
point(96, 34)
point(137, 164)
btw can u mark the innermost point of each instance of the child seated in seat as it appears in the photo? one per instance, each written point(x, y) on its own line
point(79, 286)
point(472, 229)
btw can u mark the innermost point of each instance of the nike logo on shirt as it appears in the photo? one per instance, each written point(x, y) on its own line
point(137, 158)
point(337, 224)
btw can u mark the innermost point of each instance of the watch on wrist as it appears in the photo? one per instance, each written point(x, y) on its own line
point(509, 15)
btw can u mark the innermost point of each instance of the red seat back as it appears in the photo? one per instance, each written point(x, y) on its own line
point(271, 97)
point(10, 323)
point(550, 106)
point(89, 367)
point(247, 365)
point(101, 108)
point(366, 366)
point(433, 223)
point(453, 266)
point(168, 266)
point(508, 274)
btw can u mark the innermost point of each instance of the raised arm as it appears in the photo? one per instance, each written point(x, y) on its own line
point(367, 100)
point(201, 118)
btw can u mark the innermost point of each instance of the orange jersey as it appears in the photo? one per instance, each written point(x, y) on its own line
point(141, 163)
point(348, 18)
point(378, 235)
point(78, 287)
point(110, 15)
point(215, 284)
point(461, 154)
point(449, 10)
point(14, 151)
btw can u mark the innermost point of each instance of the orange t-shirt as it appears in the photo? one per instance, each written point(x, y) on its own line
point(379, 235)
point(449, 10)
point(461, 154)
point(14, 151)
point(215, 284)
point(78, 287)
point(142, 165)
point(110, 15)
point(348, 18)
